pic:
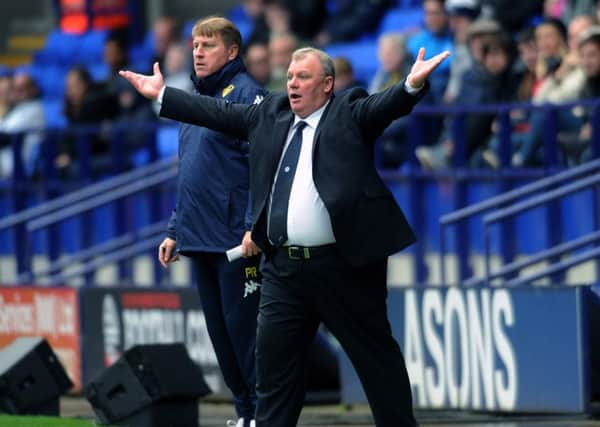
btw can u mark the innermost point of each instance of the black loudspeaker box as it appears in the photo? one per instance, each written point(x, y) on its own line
point(151, 385)
point(31, 378)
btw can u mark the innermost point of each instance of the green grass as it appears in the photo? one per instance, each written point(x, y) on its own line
point(21, 421)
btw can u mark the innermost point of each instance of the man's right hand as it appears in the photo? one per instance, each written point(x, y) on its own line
point(166, 252)
point(149, 86)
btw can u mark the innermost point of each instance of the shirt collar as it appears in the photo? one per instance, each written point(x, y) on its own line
point(313, 119)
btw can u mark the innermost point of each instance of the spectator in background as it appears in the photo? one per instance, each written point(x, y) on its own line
point(490, 81)
point(303, 18)
point(85, 103)
point(552, 47)
point(435, 38)
point(245, 15)
point(275, 20)
point(344, 75)
point(165, 31)
point(513, 15)
point(5, 94)
point(564, 83)
point(116, 58)
point(575, 141)
point(281, 47)
point(307, 17)
point(480, 33)
point(555, 8)
point(528, 57)
point(551, 42)
point(394, 62)
point(394, 66)
point(131, 105)
point(257, 62)
point(351, 19)
point(461, 14)
point(577, 8)
point(177, 69)
point(26, 115)
point(253, 8)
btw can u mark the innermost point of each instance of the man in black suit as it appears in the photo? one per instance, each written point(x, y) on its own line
point(325, 222)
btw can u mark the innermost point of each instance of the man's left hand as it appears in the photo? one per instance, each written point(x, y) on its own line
point(249, 248)
point(422, 68)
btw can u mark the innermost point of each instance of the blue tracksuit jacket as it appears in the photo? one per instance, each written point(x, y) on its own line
point(213, 209)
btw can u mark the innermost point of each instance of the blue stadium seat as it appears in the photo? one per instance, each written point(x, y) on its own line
point(243, 22)
point(144, 51)
point(167, 140)
point(186, 31)
point(55, 118)
point(60, 48)
point(401, 19)
point(91, 47)
point(361, 54)
point(140, 157)
point(99, 71)
point(50, 78)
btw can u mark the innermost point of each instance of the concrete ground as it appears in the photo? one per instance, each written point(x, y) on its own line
point(214, 414)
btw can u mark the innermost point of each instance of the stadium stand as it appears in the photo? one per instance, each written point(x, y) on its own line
point(109, 224)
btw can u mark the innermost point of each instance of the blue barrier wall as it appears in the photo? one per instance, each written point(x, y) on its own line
point(493, 349)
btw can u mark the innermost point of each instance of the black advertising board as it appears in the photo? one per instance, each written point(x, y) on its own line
point(115, 319)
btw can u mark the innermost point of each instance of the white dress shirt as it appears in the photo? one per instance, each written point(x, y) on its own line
point(308, 222)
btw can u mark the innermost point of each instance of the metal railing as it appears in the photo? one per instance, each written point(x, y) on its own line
point(501, 207)
point(91, 257)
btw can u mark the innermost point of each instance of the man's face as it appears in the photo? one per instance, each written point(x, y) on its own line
point(590, 59)
point(436, 19)
point(528, 53)
point(114, 55)
point(21, 90)
point(211, 54)
point(390, 56)
point(548, 40)
point(280, 51)
point(307, 87)
point(257, 62)
point(496, 61)
point(459, 24)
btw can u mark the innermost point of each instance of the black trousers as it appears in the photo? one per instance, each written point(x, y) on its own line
point(351, 302)
point(230, 303)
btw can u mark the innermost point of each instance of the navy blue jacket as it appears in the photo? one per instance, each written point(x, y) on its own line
point(213, 209)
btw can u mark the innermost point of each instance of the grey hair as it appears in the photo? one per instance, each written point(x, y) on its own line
point(398, 40)
point(324, 59)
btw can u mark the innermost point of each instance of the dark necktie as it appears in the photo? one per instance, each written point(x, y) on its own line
point(283, 187)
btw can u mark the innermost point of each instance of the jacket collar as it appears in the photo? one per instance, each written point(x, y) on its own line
point(210, 85)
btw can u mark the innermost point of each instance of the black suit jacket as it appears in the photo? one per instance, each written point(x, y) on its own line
point(367, 223)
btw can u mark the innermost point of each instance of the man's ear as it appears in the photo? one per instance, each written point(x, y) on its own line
point(329, 81)
point(233, 51)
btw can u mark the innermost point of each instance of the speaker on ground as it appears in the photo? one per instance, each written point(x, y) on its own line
point(31, 378)
point(150, 385)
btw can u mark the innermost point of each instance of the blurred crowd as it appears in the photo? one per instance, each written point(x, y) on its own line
point(534, 52)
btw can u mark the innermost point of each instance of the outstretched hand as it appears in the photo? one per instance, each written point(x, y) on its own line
point(148, 86)
point(422, 68)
